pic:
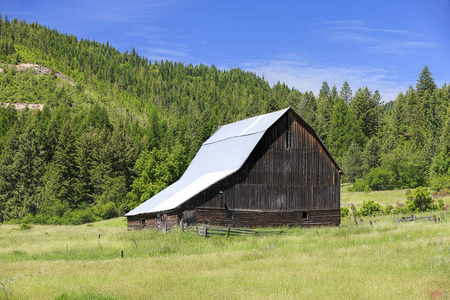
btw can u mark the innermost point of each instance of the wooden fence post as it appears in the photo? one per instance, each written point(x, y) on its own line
point(397, 220)
point(182, 225)
point(434, 218)
point(414, 218)
point(205, 231)
point(164, 223)
point(354, 216)
point(228, 231)
point(196, 227)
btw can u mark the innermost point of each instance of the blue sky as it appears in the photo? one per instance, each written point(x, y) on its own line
point(380, 44)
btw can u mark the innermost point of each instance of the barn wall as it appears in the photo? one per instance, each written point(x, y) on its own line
point(251, 218)
point(135, 222)
point(288, 170)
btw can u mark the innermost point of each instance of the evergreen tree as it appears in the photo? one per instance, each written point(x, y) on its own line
point(371, 155)
point(365, 108)
point(352, 163)
point(441, 163)
point(307, 108)
point(425, 82)
point(64, 170)
point(324, 110)
point(344, 129)
point(346, 93)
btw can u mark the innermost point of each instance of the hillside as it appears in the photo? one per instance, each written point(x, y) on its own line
point(116, 128)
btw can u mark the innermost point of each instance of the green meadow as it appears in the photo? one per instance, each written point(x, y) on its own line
point(383, 261)
point(392, 197)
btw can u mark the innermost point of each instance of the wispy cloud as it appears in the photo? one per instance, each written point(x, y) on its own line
point(167, 51)
point(117, 11)
point(376, 40)
point(297, 72)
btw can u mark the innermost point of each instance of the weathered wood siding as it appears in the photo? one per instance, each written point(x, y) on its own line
point(252, 218)
point(288, 170)
point(150, 221)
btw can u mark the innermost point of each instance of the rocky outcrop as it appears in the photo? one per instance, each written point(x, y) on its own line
point(22, 106)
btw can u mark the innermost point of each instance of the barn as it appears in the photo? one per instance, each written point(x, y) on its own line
point(269, 170)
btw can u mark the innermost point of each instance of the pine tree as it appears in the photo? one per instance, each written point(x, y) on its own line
point(352, 163)
point(308, 109)
point(64, 170)
point(441, 163)
point(371, 155)
point(346, 93)
point(425, 82)
point(365, 108)
point(344, 129)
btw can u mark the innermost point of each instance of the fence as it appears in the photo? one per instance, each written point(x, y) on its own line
point(206, 230)
point(414, 218)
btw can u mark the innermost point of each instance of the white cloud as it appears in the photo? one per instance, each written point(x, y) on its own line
point(376, 40)
point(165, 51)
point(118, 11)
point(306, 76)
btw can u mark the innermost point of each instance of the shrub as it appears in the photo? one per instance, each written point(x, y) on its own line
point(438, 205)
point(25, 226)
point(109, 210)
point(420, 200)
point(370, 208)
point(388, 209)
point(345, 212)
point(359, 185)
point(440, 182)
point(379, 179)
point(401, 210)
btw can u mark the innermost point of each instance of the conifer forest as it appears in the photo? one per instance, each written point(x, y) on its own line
point(117, 128)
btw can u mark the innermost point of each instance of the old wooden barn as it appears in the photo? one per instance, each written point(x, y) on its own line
point(269, 170)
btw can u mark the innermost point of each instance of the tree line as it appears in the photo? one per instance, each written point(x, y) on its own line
point(125, 127)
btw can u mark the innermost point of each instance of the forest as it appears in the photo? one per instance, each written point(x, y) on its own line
point(118, 127)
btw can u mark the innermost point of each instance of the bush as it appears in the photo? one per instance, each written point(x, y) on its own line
point(345, 212)
point(388, 209)
point(359, 185)
point(440, 182)
point(25, 226)
point(379, 179)
point(401, 210)
point(420, 200)
point(109, 210)
point(438, 205)
point(81, 216)
point(370, 208)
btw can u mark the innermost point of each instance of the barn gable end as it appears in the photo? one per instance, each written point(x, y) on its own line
point(289, 178)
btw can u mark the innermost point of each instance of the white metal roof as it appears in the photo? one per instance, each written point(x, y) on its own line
point(220, 156)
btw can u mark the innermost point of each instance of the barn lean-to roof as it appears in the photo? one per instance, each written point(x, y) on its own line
point(221, 155)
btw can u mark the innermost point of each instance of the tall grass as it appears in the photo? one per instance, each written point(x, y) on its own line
point(386, 261)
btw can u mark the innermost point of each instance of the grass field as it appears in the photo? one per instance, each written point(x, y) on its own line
point(386, 261)
point(383, 197)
